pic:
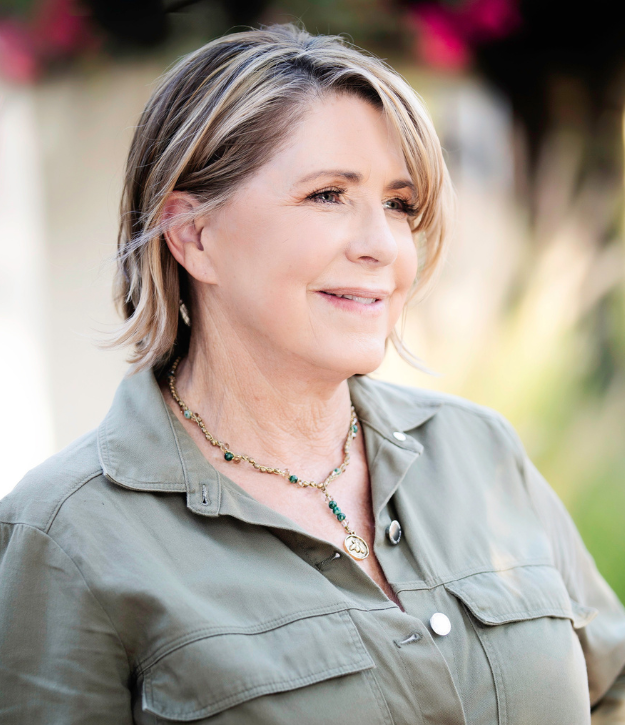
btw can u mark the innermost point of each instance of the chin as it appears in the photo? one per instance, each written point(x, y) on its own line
point(354, 357)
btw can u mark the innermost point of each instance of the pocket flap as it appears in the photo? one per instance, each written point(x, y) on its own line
point(525, 592)
point(216, 672)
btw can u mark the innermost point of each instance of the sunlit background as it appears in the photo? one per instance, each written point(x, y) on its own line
point(528, 315)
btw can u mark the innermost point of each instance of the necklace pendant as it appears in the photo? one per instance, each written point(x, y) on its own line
point(356, 547)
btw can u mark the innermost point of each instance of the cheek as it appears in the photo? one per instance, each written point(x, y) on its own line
point(405, 271)
point(407, 259)
point(309, 248)
point(269, 260)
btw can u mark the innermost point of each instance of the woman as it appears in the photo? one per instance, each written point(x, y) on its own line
point(257, 532)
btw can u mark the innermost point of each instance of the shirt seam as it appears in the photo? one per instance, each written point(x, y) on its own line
point(220, 491)
point(263, 689)
point(493, 663)
point(76, 488)
point(45, 527)
point(517, 447)
point(378, 695)
point(86, 584)
point(103, 445)
point(143, 486)
point(488, 414)
point(528, 613)
point(433, 583)
point(381, 625)
point(215, 631)
point(521, 461)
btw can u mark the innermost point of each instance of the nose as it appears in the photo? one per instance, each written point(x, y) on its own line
point(372, 241)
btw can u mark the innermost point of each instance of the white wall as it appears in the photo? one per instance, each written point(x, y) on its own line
point(62, 150)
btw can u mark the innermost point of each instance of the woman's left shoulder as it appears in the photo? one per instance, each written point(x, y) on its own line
point(437, 413)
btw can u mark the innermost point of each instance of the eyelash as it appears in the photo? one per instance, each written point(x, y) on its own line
point(407, 208)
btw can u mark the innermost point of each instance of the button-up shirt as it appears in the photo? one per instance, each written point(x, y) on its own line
point(140, 585)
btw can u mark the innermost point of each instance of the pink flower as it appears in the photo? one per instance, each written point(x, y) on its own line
point(18, 60)
point(62, 29)
point(439, 44)
point(57, 31)
point(489, 19)
point(445, 34)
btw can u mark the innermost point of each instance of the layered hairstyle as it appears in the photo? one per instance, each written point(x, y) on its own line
point(214, 119)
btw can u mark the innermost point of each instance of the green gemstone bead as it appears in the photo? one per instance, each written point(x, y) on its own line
point(228, 456)
point(293, 479)
point(340, 517)
point(337, 470)
point(332, 504)
point(187, 414)
point(354, 429)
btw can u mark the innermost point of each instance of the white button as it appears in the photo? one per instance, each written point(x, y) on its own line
point(440, 624)
point(399, 435)
point(393, 531)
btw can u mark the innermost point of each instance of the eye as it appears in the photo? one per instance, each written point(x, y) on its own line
point(401, 205)
point(327, 196)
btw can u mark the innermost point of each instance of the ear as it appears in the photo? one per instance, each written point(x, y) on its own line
point(185, 239)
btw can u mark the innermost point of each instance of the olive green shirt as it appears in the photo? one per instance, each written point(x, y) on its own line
point(139, 585)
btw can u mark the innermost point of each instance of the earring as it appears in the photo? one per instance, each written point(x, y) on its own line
point(184, 313)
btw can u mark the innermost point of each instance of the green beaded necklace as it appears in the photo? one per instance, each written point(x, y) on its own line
point(355, 546)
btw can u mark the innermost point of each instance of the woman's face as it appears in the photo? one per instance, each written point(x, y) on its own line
point(312, 258)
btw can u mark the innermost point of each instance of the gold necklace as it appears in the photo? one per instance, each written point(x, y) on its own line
point(354, 545)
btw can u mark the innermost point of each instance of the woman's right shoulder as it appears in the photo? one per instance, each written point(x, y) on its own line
point(39, 496)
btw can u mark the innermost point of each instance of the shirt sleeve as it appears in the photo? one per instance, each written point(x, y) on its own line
point(603, 639)
point(61, 660)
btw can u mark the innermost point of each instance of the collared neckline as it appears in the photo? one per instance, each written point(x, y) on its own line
point(142, 445)
point(389, 408)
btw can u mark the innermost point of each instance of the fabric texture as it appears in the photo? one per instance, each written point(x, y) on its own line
point(140, 585)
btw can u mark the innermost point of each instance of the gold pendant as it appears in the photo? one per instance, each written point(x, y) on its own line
point(356, 547)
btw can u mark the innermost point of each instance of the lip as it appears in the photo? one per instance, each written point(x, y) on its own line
point(378, 295)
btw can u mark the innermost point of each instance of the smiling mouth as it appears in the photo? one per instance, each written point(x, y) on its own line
point(362, 300)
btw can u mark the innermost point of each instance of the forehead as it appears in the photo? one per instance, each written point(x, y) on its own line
point(341, 131)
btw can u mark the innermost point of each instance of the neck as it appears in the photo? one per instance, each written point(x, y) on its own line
point(273, 409)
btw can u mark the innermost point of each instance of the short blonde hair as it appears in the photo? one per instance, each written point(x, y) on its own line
point(213, 120)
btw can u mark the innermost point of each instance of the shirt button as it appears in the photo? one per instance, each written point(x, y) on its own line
point(440, 624)
point(393, 531)
point(398, 435)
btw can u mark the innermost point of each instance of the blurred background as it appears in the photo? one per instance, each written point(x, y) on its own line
point(528, 315)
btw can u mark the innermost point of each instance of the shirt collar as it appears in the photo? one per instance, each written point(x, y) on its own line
point(144, 447)
point(390, 409)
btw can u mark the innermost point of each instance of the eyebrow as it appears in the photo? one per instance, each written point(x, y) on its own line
point(356, 177)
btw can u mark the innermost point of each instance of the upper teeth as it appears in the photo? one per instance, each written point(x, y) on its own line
point(364, 300)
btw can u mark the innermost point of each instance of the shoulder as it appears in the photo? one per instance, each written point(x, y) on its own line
point(413, 407)
point(38, 497)
point(410, 395)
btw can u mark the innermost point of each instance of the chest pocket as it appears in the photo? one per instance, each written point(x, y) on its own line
point(526, 622)
point(310, 671)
